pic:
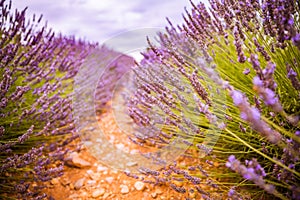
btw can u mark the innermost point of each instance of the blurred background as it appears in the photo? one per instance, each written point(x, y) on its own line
point(99, 20)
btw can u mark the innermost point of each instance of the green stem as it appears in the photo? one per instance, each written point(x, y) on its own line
point(280, 129)
point(264, 155)
point(231, 152)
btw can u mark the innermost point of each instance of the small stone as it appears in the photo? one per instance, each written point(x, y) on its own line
point(92, 175)
point(51, 186)
point(131, 164)
point(139, 186)
point(91, 182)
point(74, 196)
point(98, 193)
point(124, 189)
point(91, 128)
point(64, 181)
point(120, 146)
point(134, 151)
point(192, 194)
point(178, 183)
point(81, 163)
point(158, 191)
point(74, 160)
point(79, 183)
point(83, 194)
point(71, 186)
point(54, 181)
point(87, 143)
point(109, 179)
point(101, 169)
point(105, 195)
point(153, 195)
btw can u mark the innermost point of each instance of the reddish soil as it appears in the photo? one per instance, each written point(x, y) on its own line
point(99, 182)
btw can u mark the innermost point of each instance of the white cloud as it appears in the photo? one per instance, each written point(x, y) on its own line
point(98, 20)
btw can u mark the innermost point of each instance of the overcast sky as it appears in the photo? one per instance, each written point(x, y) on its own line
point(101, 20)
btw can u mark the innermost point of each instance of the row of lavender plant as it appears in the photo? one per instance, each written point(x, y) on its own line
point(226, 82)
point(36, 68)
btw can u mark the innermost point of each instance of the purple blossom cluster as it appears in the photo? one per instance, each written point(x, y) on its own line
point(231, 68)
point(36, 71)
point(253, 171)
point(253, 116)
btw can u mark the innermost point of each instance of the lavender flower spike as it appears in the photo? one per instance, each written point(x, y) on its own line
point(267, 95)
point(252, 115)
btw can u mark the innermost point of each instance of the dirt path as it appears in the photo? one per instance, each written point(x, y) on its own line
point(86, 178)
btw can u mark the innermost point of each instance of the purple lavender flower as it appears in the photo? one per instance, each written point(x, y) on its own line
point(296, 40)
point(249, 174)
point(178, 189)
point(30, 56)
point(237, 97)
point(268, 95)
point(212, 47)
point(257, 82)
point(293, 76)
point(231, 192)
point(231, 158)
point(246, 71)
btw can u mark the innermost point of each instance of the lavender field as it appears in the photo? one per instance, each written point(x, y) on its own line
point(211, 111)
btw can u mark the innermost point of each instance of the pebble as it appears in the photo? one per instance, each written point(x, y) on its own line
point(74, 196)
point(74, 160)
point(98, 193)
point(79, 183)
point(105, 195)
point(120, 146)
point(101, 169)
point(124, 189)
point(92, 175)
point(91, 182)
point(178, 183)
point(139, 186)
point(83, 194)
point(192, 194)
point(109, 179)
point(87, 143)
point(134, 151)
point(131, 164)
point(158, 191)
point(65, 181)
point(91, 128)
point(54, 181)
point(154, 195)
point(71, 186)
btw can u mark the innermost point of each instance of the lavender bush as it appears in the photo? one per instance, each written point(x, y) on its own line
point(36, 68)
point(226, 83)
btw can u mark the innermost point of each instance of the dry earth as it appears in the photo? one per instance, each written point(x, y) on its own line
point(86, 178)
